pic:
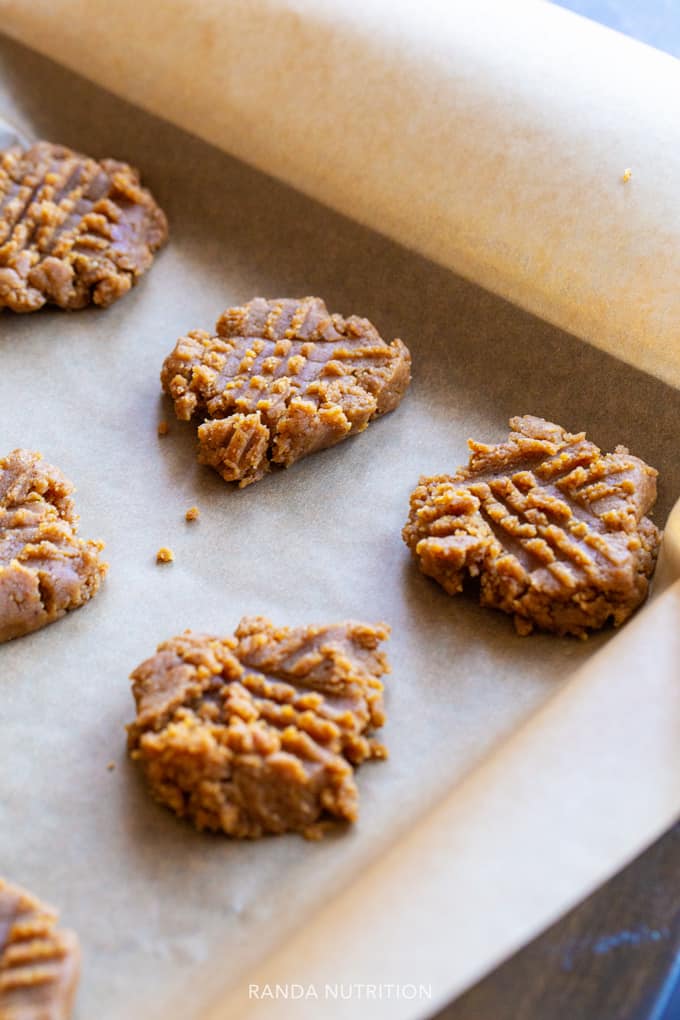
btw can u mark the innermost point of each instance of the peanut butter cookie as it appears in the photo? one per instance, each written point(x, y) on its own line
point(260, 732)
point(39, 963)
point(554, 529)
point(280, 380)
point(73, 231)
point(45, 569)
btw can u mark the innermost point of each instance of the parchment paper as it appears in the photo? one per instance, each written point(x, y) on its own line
point(491, 136)
point(169, 918)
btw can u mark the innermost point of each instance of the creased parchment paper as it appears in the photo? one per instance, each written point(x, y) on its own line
point(489, 819)
point(490, 136)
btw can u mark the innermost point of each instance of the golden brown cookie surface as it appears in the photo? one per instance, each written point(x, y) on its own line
point(73, 231)
point(554, 529)
point(39, 963)
point(260, 732)
point(280, 380)
point(45, 569)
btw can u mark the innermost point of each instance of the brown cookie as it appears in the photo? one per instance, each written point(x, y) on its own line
point(45, 569)
point(39, 963)
point(282, 379)
point(73, 231)
point(554, 530)
point(260, 732)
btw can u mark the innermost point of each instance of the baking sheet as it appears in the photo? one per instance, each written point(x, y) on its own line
point(154, 902)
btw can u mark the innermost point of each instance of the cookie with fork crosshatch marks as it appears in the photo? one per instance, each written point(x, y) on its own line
point(554, 530)
point(261, 732)
point(280, 380)
point(73, 231)
point(46, 569)
point(39, 962)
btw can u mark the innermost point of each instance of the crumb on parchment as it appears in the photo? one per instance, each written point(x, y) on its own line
point(163, 428)
point(627, 174)
point(192, 514)
point(111, 766)
point(164, 555)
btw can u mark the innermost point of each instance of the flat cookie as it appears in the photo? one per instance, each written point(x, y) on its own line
point(73, 231)
point(553, 528)
point(280, 380)
point(258, 733)
point(39, 963)
point(45, 569)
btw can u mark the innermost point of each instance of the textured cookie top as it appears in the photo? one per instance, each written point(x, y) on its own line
point(72, 230)
point(259, 732)
point(554, 529)
point(39, 963)
point(282, 379)
point(45, 569)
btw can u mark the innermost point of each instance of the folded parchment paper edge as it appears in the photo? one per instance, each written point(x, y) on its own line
point(451, 868)
point(493, 137)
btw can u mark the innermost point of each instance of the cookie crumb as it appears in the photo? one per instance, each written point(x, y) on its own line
point(163, 428)
point(627, 174)
point(192, 514)
point(111, 766)
point(164, 555)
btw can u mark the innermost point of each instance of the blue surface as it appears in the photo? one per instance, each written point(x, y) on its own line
point(656, 22)
point(634, 938)
point(667, 1005)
